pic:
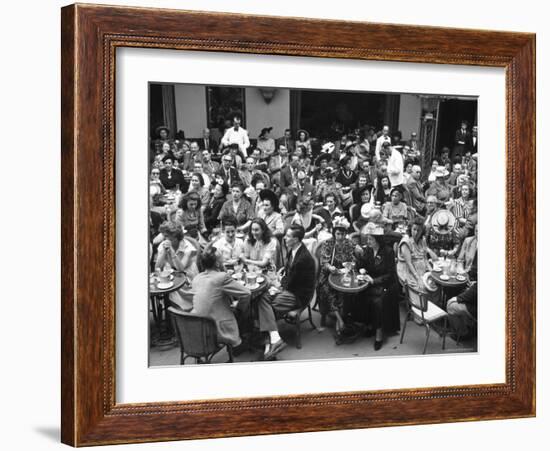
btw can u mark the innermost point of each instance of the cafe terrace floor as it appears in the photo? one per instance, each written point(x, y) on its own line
point(320, 345)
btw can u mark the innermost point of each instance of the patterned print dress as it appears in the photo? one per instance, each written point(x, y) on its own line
point(332, 253)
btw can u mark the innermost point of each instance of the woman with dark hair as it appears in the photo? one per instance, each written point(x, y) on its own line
point(196, 185)
point(412, 256)
point(215, 204)
point(303, 140)
point(332, 254)
point(383, 189)
point(189, 215)
point(395, 211)
point(260, 247)
point(239, 207)
point(270, 212)
point(381, 306)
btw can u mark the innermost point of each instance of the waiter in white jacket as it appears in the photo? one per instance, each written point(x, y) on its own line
point(236, 135)
point(395, 166)
point(385, 137)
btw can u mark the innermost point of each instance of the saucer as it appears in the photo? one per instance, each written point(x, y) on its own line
point(436, 269)
point(259, 279)
point(460, 278)
point(165, 285)
point(253, 287)
point(444, 277)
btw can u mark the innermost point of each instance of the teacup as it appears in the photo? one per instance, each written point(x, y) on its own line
point(164, 276)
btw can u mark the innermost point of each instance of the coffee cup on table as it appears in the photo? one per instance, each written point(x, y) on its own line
point(251, 278)
point(164, 276)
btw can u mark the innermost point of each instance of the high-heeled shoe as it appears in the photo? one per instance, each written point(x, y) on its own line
point(377, 345)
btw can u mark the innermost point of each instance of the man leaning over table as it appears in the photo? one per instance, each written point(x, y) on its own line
point(298, 285)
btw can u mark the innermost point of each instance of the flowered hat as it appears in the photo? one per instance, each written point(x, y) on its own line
point(440, 171)
point(340, 222)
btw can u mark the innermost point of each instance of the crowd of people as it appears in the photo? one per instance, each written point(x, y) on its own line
point(297, 208)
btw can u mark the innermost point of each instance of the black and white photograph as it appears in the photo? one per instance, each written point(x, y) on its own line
point(292, 224)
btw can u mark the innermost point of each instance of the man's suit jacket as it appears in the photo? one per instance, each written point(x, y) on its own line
point(210, 168)
point(288, 143)
point(212, 145)
point(300, 277)
point(286, 178)
point(212, 294)
point(275, 164)
point(462, 141)
point(230, 178)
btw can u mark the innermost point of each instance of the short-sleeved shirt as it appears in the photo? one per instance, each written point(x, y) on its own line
point(230, 251)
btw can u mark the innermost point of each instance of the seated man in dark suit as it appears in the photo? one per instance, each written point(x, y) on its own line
point(285, 141)
point(208, 143)
point(298, 285)
point(227, 171)
point(462, 311)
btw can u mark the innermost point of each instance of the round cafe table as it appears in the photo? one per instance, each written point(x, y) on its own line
point(159, 303)
point(445, 285)
point(355, 286)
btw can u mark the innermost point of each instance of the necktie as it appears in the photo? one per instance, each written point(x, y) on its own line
point(289, 262)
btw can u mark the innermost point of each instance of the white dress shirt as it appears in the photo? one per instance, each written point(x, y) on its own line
point(239, 136)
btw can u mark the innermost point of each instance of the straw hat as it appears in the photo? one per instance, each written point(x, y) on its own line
point(443, 222)
point(429, 282)
point(440, 171)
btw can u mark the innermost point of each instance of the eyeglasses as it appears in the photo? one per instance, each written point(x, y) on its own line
point(227, 161)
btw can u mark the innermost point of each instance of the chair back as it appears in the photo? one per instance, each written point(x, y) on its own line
point(196, 334)
point(416, 298)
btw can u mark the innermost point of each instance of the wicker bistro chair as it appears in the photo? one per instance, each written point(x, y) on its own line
point(197, 337)
point(294, 317)
point(426, 311)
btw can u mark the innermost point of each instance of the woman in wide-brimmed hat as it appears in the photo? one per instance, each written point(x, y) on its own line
point(332, 254)
point(266, 144)
point(442, 235)
point(381, 309)
point(440, 188)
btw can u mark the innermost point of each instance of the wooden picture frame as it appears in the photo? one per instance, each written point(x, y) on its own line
point(90, 37)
